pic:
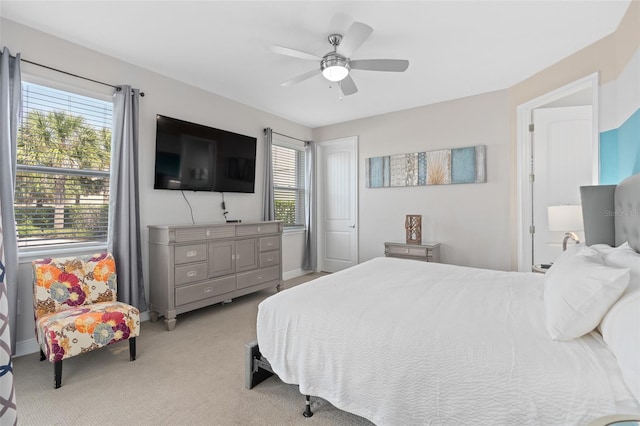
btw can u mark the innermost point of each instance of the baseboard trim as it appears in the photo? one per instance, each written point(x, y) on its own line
point(294, 274)
point(30, 346)
point(27, 347)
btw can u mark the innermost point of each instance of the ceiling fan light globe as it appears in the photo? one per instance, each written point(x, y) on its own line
point(335, 73)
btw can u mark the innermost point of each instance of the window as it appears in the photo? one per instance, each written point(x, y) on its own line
point(288, 184)
point(62, 173)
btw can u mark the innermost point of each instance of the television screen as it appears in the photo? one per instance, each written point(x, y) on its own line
point(194, 157)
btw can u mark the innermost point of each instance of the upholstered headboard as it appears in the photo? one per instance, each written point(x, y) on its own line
point(611, 213)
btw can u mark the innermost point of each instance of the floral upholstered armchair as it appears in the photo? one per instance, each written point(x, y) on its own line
point(76, 310)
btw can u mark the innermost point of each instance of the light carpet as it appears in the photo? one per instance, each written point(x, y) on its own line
point(193, 375)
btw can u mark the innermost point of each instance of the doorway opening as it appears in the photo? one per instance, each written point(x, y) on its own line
point(557, 151)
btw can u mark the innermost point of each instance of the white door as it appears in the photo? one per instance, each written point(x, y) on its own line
point(338, 204)
point(563, 159)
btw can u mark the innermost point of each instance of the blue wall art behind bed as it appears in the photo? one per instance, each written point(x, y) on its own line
point(441, 167)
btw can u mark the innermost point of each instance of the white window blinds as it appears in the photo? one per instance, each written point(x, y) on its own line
point(63, 157)
point(288, 184)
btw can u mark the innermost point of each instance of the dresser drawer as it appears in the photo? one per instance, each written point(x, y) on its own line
point(263, 228)
point(268, 259)
point(247, 279)
point(195, 292)
point(204, 233)
point(188, 254)
point(269, 243)
point(190, 273)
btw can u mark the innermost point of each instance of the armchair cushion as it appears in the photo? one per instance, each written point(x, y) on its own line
point(71, 332)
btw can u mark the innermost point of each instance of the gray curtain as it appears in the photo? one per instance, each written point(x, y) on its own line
point(124, 213)
point(309, 262)
point(10, 96)
point(268, 205)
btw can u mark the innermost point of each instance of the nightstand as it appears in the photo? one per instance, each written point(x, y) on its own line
point(426, 252)
point(539, 269)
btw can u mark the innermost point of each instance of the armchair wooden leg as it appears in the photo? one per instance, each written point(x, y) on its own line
point(42, 356)
point(132, 348)
point(57, 369)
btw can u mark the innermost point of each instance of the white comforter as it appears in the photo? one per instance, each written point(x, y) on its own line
point(402, 342)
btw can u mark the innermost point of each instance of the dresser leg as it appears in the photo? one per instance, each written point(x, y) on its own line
point(170, 323)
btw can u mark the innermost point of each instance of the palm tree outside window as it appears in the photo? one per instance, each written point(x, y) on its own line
point(63, 160)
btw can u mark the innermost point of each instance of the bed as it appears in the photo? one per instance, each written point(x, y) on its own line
point(403, 342)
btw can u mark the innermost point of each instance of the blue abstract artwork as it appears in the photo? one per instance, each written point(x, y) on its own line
point(441, 167)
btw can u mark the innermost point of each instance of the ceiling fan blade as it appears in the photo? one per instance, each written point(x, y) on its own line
point(357, 34)
point(347, 86)
point(295, 53)
point(301, 77)
point(393, 65)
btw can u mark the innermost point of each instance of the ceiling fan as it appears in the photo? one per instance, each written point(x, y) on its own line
point(336, 65)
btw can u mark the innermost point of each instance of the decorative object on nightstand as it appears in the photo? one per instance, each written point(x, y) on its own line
point(567, 218)
point(428, 252)
point(413, 226)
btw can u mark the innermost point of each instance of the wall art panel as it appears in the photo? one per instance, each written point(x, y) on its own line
point(441, 167)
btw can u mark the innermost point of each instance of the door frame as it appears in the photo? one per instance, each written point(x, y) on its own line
point(524, 114)
point(320, 174)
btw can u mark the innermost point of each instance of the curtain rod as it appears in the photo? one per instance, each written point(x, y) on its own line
point(118, 88)
point(287, 136)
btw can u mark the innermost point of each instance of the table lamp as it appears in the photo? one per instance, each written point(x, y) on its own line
point(567, 218)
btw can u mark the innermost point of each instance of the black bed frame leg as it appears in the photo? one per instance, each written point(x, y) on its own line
point(307, 408)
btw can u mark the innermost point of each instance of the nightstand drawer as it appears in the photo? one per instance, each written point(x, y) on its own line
point(188, 254)
point(190, 273)
point(423, 252)
point(408, 251)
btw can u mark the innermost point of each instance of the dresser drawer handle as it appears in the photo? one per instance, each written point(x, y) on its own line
point(192, 273)
point(192, 253)
point(259, 277)
point(208, 289)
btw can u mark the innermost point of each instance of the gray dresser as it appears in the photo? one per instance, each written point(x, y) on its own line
point(193, 266)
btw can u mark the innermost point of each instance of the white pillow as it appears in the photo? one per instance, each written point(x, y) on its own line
point(624, 256)
point(603, 249)
point(620, 329)
point(579, 289)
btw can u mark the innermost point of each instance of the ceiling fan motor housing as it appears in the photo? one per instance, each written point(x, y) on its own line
point(334, 60)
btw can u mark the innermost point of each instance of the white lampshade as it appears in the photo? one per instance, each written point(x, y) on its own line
point(335, 73)
point(565, 218)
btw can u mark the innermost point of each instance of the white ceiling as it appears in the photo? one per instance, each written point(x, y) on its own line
point(455, 48)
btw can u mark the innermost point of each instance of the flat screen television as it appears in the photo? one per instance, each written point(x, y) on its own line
point(194, 157)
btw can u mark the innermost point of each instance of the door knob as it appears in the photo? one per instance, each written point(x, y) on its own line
point(352, 226)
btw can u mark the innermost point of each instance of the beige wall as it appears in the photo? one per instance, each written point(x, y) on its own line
point(466, 219)
point(162, 96)
point(607, 56)
point(476, 223)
